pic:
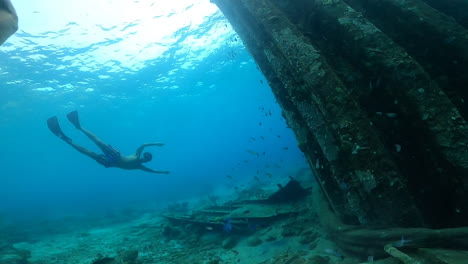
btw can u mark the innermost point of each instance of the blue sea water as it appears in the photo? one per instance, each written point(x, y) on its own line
point(137, 71)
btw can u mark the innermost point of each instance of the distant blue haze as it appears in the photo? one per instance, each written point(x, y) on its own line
point(209, 115)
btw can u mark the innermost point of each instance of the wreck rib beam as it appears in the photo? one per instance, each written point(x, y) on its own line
point(414, 24)
point(350, 152)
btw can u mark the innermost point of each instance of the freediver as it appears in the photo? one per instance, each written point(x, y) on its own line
point(8, 20)
point(111, 156)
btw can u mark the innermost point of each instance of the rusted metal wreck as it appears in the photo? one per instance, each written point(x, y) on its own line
point(376, 93)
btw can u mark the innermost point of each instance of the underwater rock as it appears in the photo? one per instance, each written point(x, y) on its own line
point(103, 260)
point(214, 261)
point(229, 242)
point(127, 257)
point(319, 260)
point(270, 238)
point(12, 255)
point(291, 230)
point(294, 259)
point(12, 259)
point(313, 245)
point(308, 237)
point(23, 253)
point(254, 241)
point(170, 232)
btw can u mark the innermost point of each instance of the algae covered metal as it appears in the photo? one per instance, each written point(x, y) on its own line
point(375, 92)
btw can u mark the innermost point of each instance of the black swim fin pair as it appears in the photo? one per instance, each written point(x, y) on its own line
point(54, 125)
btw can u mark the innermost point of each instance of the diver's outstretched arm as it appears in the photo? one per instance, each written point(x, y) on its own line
point(153, 171)
point(8, 20)
point(140, 149)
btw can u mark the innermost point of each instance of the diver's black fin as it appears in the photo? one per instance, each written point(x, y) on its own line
point(54, 126)
point(74, 119)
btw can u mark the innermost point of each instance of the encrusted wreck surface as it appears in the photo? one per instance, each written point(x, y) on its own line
point(375, 92)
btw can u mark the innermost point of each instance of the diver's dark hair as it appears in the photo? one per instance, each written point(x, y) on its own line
point(147, 156)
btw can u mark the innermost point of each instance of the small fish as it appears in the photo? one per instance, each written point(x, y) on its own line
point(260, 123)
point(252, 152)
point(252, 227)
point(377, 83)
point(235, 252)
point(246, 161)
point(263, 153)
point(269, 175)
point(256, 178)
point(344, 186)
point(397, 147)
point(262, 138)
point(401, 243)
point(209, 228)
point(285, 148)
point(252, 138)
point(278, 136)
point(269, 112)
point(334, 252)
point(261, 81)
point(229, 176)
point(227, 226)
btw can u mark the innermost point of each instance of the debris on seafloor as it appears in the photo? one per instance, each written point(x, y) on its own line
point(178, 207)
point(10, 254)
point(241, 215)
point(291, 192)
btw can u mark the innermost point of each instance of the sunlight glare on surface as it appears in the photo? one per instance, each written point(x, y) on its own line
point(111, 32)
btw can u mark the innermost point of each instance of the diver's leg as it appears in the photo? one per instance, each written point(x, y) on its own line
point(85, 151)
point(103, 146)
point(75, 120)
point(54, 127)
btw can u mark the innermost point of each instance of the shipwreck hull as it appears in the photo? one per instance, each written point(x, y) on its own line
point(375, 92)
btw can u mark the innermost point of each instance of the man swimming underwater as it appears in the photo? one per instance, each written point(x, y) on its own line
point(111, 156)
point(8, 20)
